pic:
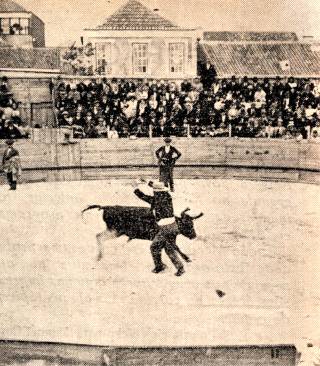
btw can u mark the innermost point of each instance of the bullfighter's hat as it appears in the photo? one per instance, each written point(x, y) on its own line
point(168, 139)
point(10, 142)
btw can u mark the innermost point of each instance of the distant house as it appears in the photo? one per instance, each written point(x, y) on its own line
point(22, 43)
point(25, 60)
point(19, 27)
point(136, 42)
point(139, 43)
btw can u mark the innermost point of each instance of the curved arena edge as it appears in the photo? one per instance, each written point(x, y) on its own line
point(255, 159)
point(232, 159)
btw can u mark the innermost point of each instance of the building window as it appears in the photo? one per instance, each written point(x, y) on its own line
point(103, 58)
point(4, 26)
point(275, 353)
point(176, 58)
point(25, 25)
point(140, 58)
point(14, 26)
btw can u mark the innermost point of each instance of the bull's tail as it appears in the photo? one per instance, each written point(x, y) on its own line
point(92, 207)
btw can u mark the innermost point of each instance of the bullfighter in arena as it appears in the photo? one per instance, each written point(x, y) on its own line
point(167, 156)
point(11, 164)
point(162, 206)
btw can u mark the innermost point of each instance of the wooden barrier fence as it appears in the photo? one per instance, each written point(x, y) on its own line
point(261, 159)
point(50, 354)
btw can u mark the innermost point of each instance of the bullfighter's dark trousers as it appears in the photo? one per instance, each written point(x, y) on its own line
point(166, 176)
point(165, 239)
point(12, 183)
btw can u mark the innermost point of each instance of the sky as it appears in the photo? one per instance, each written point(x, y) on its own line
point(66, 19)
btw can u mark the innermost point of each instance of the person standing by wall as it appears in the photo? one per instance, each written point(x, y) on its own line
point(208, 75)
point(11, 164)
point(167, 156)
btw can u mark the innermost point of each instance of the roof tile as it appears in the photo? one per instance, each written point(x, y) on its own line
point(8, 6)
point(250, 36)
point(32, 58)
point(135, 16)
point(261, 58)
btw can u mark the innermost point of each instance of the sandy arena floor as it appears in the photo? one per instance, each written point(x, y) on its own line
point(258, 242)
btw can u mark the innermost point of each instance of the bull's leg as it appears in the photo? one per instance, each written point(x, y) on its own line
point(182, 255)
point(105, 235)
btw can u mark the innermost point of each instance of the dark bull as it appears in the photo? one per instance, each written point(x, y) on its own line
point(139, 223)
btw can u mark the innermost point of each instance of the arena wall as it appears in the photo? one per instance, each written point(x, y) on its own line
point(258, 159)
point(62, 354)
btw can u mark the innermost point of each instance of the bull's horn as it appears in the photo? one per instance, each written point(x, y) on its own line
point(186, 210)
point(198, 216)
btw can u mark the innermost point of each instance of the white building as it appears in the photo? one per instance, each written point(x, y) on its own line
point(136, 42)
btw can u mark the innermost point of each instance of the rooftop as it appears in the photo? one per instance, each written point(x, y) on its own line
point(9, 6)
point(254, 59)
point(250, 36)
point(135, 16)
point(34, 58)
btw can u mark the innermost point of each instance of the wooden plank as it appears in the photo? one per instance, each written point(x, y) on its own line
point(19, 352)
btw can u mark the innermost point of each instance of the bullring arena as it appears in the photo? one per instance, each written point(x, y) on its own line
point(258, 243)
point(87, 95)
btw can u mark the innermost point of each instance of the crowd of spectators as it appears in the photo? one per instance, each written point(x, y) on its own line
point(11, 125)
point(239, 107)
point(205, 106)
